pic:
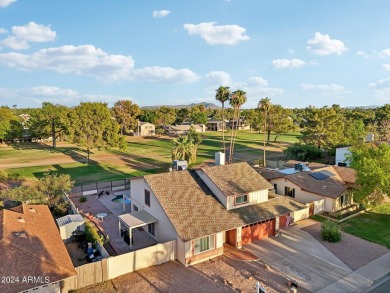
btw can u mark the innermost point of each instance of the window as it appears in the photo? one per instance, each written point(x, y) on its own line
point(343, 200)
point(147, 197)
point(204, 244)
point(276, 188)
point(151, 229)
point(241, 199)
point(289, 191)
point(135, 208)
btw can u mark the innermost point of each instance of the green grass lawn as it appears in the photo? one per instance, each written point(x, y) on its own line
point(373, 225)
point(143, 156)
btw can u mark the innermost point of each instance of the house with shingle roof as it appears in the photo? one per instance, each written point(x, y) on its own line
point(204, 208)
point(332, 184)
point(32, 252)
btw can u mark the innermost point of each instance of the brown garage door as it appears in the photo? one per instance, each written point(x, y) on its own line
point(257, 231)
point(283, 221)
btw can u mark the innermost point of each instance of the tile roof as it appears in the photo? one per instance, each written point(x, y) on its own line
point(330, 187)
point(37, 251)
point(237, 178)
point(195, 212)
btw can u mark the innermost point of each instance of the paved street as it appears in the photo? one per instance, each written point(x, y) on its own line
point(304, 259)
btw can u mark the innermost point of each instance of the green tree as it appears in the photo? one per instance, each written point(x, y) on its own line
point(254, 118)
point(372, 165)
point(198, 114)
point(8, 121)
point(53, 186)
point(148, 115)
point(50, 121)
point(126, 113)
point(323, 127)
point(382, 116)
point(92, 126)
point(280, 121)
point(24, 194)
point(165, 115)
point(302, 152)
point(223, 95)
point(265, 106)
point(237, 99)
point(354, 132)
point(183, 149)
point(183, 115)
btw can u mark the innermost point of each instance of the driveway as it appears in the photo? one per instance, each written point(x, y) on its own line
point(301, 257)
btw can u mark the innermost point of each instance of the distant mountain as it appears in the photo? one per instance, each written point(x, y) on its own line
point(205, 104)
point(363, 107)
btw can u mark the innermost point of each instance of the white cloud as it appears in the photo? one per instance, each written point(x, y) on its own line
point(5, 3)
point(363, 54)
point(382, 83)
point(35, 96)
point(219, 77)
point(91, 61)
point(165, 74)
point(15, 43)
point(323, 87)
point(3, 30)
point(255, 87)
point(291, 51)
point(385, 53)
point(217, 34)
point(32, 32)
point(386, 67)
point(381, 89)
point(160, 13)
point(288, 63)
point(323, 45)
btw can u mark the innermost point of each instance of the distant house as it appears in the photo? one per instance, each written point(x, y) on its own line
point(203, 209)
point(342, 156)
point(145, 129)
point(176, 130)
point(334, 185)
point(31, 247)
point(215, 125)
point(241, 125)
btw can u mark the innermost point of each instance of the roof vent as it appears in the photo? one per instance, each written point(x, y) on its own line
point(21, 235)
point(20, 220)
point(33, 210)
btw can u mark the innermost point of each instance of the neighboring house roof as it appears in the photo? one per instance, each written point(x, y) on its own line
point(330, 187)
point(195, 212)
point(235, 179)
point(145, 123)
point(291, 164)
point(30, 245)
point(216, 121)
point(348, 175)
point(270, 173)
point(184, 127)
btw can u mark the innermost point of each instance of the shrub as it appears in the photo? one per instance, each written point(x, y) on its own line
point(83, 199)
point(91, 233)
point(330, 231)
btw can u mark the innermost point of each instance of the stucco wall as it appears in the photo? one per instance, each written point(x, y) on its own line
point(304, 196)
point(340, 155)
point(253, 197)
point(164, 230)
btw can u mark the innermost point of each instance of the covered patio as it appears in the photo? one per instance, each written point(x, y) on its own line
point(137, 220)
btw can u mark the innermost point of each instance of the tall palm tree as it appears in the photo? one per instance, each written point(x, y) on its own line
point(265, 106)
point(222, 95)
point(237, 99)
point(183, 149)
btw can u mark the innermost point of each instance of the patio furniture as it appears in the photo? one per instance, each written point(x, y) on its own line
point(101, 216)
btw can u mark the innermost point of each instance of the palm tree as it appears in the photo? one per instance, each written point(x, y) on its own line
point(265, 106)
point(222, 95)
point(183, 149)
point(236, 100)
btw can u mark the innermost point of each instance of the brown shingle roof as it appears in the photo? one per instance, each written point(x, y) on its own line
point(269, 173)
point(331, 187)
point(195, 212)
point(39, 252)
point(348, 175)
point(237, 178)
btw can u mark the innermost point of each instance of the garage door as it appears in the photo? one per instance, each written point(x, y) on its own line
point(283, 221)
point(257, 231)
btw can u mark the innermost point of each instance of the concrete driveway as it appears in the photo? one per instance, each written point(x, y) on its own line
point(301, 257)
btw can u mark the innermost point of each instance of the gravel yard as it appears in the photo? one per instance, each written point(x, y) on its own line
point(220, 274)
point(351, 250)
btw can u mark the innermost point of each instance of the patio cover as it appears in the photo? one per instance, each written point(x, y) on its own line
point(137, 219)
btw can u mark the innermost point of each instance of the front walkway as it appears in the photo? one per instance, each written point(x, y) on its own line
point(238, 254)
point(302, 258)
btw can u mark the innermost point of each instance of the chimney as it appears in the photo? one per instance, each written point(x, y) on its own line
point(219, 158)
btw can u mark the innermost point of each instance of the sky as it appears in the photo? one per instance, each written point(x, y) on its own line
point(297, 53)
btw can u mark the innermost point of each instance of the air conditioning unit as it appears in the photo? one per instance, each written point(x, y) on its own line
point(179, 165)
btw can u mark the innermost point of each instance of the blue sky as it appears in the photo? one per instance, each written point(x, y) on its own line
point(297, 53)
